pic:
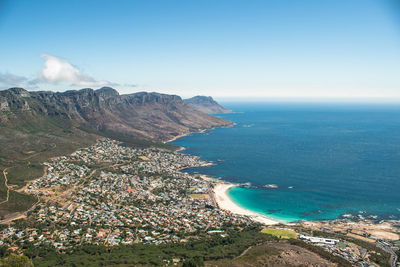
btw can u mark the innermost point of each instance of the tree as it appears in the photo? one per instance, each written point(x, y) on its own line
point(3, 251)
point(16, 261)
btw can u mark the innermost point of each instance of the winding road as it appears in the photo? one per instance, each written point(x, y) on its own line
point(389, 250)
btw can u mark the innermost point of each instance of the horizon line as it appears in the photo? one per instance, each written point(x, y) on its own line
point(297, 99)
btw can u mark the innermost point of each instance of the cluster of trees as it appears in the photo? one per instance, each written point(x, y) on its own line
point(16, 261)
point(190, 254)
point(193, 253)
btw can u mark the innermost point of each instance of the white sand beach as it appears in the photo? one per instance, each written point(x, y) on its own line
point(224, 202)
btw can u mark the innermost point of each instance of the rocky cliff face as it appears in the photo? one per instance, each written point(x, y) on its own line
point(206, 104)
point(150, 116)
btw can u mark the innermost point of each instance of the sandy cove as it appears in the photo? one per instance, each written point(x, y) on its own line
point(221, 197)
point(224, 202)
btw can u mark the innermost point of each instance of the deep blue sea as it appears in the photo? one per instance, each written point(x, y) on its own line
point(327, 160)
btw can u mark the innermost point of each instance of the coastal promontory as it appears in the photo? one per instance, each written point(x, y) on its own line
point(207, 105)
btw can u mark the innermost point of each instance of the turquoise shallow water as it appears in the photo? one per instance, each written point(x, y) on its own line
point(326, 159)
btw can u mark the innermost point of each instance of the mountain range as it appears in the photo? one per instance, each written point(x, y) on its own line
point(149, 116)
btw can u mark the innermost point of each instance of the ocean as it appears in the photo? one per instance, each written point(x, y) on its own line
point(327, 160)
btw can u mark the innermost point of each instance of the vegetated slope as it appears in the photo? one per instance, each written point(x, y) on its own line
point(35, 126)
point(206, 104)
point(278, 254)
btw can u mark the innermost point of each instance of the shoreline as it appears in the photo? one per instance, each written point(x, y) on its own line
point(221, 196)
point(181, 148)
point(176, 137)
point(200, 131)
point(384, 229)
point(224, 202)
point(185, 134)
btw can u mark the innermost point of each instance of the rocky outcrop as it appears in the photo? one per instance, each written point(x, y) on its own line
point(207, 105)
point(4, 104)
point(150, 116)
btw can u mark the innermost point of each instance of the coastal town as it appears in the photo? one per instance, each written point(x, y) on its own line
point(111, 194)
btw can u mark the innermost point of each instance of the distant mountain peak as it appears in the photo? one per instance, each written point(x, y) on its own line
point(19, 91)
point(206, 104)
point(107, 91)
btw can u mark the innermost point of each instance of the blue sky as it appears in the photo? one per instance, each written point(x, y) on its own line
point(223, 48)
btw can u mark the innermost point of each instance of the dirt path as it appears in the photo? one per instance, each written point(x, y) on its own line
point(244, 252)
point(16, 216)
point(6, 185)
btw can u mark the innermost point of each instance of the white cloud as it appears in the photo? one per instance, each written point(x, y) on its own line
point(11, 79)
point(58, 70)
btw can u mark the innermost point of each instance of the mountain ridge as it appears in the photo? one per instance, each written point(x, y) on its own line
point(150, 116)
